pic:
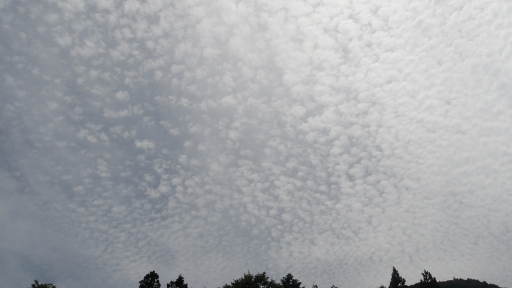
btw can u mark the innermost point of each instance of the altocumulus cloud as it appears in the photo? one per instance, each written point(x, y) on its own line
point(329, 139)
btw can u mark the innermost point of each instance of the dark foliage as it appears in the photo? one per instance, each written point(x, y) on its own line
point(467, 283)
point(259, 280)
point(150, 281)
point(428, 281)
point(460, 283)
point(179, 283)
point(42, 285)
point(396, 280)
point(289, 282)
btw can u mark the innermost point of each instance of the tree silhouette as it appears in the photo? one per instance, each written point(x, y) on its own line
point(428, 281)
point(150, 281)
point(179, 283)
point(42, 285)
point(259, 280)
point(289, 282)
point(396, 280)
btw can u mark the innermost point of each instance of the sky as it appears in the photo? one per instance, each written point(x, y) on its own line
point(328, 139)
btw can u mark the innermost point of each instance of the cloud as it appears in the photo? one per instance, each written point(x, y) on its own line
point(331, 140)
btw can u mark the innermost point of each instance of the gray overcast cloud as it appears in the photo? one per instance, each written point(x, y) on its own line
point(329, 139)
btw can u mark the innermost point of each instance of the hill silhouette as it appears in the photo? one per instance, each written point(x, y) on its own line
point(461, 283)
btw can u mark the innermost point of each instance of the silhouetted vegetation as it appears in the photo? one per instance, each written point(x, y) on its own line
point(179, 283)
point(261, 280)
point(289, 282)
point(42, 285)
point(150, 281)
point(428, 281)
point(396, 280)
point(461, 283)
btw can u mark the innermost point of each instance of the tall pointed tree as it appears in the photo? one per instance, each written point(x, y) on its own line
point(179, 283)
point(396, 280)
point(150, 281)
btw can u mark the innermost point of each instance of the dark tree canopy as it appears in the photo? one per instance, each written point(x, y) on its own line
point(289, 282)
point(467, 283)
point(428, 281)
point(179, 283)
point(396, 280)
point(42, 285)
point(459, 283)
point(259, 280)
point(150, 281)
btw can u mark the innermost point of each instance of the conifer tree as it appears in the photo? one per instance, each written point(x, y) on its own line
point(396, 280)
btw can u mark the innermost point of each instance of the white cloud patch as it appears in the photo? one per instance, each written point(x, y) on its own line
point(329, 139)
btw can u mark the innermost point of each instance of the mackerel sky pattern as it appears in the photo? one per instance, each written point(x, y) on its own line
point(329, 139)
